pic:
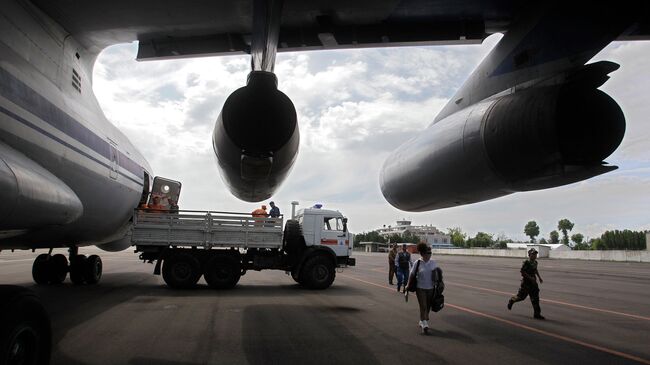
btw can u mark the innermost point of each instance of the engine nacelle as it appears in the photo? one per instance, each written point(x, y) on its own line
point(256, 138)
point(532, 139)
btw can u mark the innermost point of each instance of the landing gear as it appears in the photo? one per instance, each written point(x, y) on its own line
point(77, 268)
point(93, 269)
point(53, 269)
point(50, 269)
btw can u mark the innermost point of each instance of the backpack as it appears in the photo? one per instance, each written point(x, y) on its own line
point(403, 259)
point(438, 300)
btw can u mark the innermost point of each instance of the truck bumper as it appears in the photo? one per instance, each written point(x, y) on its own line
point(345, 261)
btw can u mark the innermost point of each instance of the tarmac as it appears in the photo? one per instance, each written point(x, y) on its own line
point(597, 313)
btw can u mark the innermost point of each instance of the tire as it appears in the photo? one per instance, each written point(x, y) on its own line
point(181, 270)
point(25, 334)
point(294, 241)
point(295, 277)
point(77, 265)
point(318, 273)
point(40, 269)
point(92, 269)
point(222, 272)
point(57, 269)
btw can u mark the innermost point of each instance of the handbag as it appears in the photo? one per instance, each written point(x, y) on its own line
point(413, 281)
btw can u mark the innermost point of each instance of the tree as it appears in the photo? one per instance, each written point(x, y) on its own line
point(457, 237)
point(565, 225)
point(372, 236)
point(543, 241)
point(622, 240)
point(531, 230)
point(481, 239)
point(577, 238)
point(554, 237)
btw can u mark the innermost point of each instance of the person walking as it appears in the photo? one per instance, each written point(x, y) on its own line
point(403, 265)
point(529, 286)
point(422, 272)
point(391, 263)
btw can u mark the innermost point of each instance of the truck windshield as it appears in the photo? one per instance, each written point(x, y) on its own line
point(333, 224)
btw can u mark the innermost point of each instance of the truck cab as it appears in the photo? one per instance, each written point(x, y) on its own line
point(324, 227)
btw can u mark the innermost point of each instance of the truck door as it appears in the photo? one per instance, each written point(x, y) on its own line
point(333, 235)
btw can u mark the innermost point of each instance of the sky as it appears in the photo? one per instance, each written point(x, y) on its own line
point(354, 108)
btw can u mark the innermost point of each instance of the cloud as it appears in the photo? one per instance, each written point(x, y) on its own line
point(354, 107)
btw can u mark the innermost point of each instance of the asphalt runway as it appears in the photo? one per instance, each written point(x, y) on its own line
point(597, 313)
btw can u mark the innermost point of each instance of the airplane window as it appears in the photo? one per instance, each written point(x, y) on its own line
point(165, 189)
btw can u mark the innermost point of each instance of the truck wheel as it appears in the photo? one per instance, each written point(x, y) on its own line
point(25, 334)
point(295, 277)
point(318, 273)
point(181, 270)
point(294, 241)
point(222, 272)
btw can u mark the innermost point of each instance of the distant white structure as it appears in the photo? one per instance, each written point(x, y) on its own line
point(428, 234)
point(526, 245)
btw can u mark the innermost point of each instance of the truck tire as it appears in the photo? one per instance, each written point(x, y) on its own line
point(294, 241)
point(222, 272)
point(317, 273)
point(181, 270)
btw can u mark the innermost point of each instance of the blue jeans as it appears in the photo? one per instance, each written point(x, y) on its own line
point(402, 276)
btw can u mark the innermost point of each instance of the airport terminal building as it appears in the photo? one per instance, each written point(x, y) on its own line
point(428, 234)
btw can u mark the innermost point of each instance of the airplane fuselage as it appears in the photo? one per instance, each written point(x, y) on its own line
point(68, 177)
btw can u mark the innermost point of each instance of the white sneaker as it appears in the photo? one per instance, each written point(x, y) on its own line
point(421, 323)
point(425, 324)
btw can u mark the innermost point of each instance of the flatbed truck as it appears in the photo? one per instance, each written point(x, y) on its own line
point(223, 246)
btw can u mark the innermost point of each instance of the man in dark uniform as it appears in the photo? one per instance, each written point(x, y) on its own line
point(529, 275)
point(391, 263)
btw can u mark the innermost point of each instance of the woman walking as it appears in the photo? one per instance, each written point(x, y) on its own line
point(422, 272)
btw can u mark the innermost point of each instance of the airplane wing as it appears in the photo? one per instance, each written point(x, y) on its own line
point(171, 29)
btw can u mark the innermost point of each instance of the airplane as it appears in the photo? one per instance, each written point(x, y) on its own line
point(529, 117)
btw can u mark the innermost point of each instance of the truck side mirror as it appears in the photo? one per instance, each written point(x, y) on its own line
point(345, 224)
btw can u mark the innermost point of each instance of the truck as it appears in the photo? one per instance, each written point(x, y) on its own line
point(223, 246)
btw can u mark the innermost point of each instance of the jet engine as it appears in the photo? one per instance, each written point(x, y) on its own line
point(256, 138)
point(532, 139)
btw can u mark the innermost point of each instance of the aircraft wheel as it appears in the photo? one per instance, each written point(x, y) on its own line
point(181, 270)
point(77, 265)
point(93, 269)
point(222, 272)
point(318, 273)
point(57, 269)
point(40, 269)
point(25, 334)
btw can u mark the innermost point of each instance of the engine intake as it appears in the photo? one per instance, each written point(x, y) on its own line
point(256, 138)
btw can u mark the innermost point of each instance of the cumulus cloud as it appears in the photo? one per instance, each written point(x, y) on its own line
point(354, 107)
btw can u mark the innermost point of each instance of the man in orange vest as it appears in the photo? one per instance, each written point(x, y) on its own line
point(156, 206)
point(260, 212)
